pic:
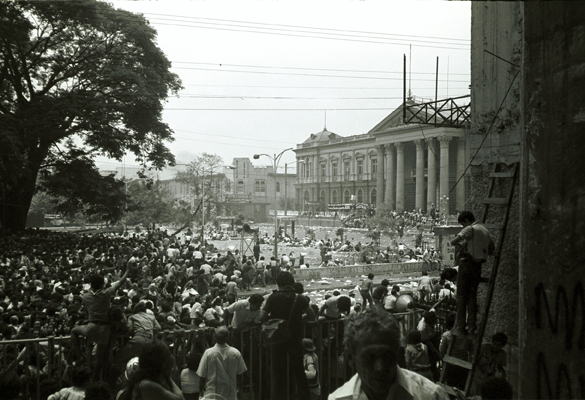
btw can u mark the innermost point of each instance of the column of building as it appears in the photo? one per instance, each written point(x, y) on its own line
point(380, 176)
point(419, 202)
point(390, 175)
point(461, 165)
point(432, 173)
point(444, 175)
point(399, 176)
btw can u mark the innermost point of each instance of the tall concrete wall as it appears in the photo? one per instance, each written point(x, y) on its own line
point(495, 95)
point(494, 137)
point(552, 251)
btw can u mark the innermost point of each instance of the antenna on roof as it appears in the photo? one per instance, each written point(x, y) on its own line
point(409, 72)
point(325, 123)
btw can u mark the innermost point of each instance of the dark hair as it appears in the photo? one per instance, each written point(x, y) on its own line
point(256, 298)
point(466, 215)
point(299, 288)
point(98, 390)
point(344, 304)
point(285, 279)
point(80, 376)
point(371, 322)
point(370, 276)
point(413, 337)
point(193, 360)
point(450, 320)
point(500, 337)
point(430, 317)
point(496, 389)
point(96, 281)
point(139, 307)
point(385, 282)
point(155, 363)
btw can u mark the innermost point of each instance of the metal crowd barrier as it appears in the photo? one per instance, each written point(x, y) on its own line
point(31, 359)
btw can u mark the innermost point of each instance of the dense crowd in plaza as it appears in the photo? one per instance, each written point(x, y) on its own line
point(102, 285)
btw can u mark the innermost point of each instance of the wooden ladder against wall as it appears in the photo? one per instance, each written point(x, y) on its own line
point(448, 359)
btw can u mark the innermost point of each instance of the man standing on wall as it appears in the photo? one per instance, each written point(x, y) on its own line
point(476, 245)
point(366, 291)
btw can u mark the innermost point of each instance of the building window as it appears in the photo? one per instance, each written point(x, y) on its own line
point(360, 196)
point(373, 196)
point(374, 162)
point(322, 197)
point(277, 187)
point(334, 197)
point(346, 170)
point(323, 170)
point(334, 171)
point(346, 196)
point(240, 187)
point(360, 169)
point(260, 187)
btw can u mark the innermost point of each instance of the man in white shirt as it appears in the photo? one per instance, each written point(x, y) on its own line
point(220, 369)
point(245, 312)
point(372, 339)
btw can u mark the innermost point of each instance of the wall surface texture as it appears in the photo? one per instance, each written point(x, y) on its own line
point(552, 252)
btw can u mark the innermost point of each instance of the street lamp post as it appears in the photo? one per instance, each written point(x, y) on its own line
point(275, 159)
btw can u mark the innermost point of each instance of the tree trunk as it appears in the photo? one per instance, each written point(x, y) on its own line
point(16, 205)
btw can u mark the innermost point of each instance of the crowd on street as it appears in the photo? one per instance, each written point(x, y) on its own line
point(97, 286)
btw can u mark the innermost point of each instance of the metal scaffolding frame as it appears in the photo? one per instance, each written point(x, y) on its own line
point(445, 113)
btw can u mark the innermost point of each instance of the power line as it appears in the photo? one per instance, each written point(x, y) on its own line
point(313, 36)
point(327, 30)
point(306, 68)
point(277, 109)
point(298, 74)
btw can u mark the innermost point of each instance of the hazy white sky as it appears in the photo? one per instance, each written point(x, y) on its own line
point(259, 76)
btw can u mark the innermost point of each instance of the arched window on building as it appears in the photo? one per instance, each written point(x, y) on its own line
point(346, 196)
point(323, 197)
point(334, 199)
point(262, 186)
point(360, 196)
point(306, 197)
point(257, 186)
point(373, 196)
point(277, 187)
point(240, 187)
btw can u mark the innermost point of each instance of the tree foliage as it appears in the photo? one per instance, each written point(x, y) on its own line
point(150, 204)
point(383, 222)
point(78, 79)
point(205, 182)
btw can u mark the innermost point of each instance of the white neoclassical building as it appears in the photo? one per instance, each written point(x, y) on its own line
point(410, 166)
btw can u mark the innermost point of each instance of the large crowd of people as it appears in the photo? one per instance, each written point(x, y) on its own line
point(101, 286)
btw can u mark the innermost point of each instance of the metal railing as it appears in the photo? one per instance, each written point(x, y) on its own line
point(33, 361)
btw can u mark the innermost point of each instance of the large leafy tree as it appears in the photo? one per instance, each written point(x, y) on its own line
point(204, 182)
point(78, 79)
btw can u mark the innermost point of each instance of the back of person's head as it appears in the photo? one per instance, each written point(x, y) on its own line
point(370, 276)
point(466, 215)
point(385, 282)
point(425, 273)
point(496, 389)
point(285, 279)
point(139, 307)
point(96, 281)
point(80, 376)
point(501, 338)
point(413, 337)
point(193, 360)
point(371, 323)
point(430, 317)
point(299, 288)
point(344, 304)
point(155, 361)
point(222, 334)
point(395, 289)
point(98, 390)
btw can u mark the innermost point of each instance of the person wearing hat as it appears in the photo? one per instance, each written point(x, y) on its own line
point(311, 363)
point(279, 305)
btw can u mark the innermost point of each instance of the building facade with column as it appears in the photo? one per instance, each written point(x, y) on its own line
point(409, 166)
point(260, 186)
